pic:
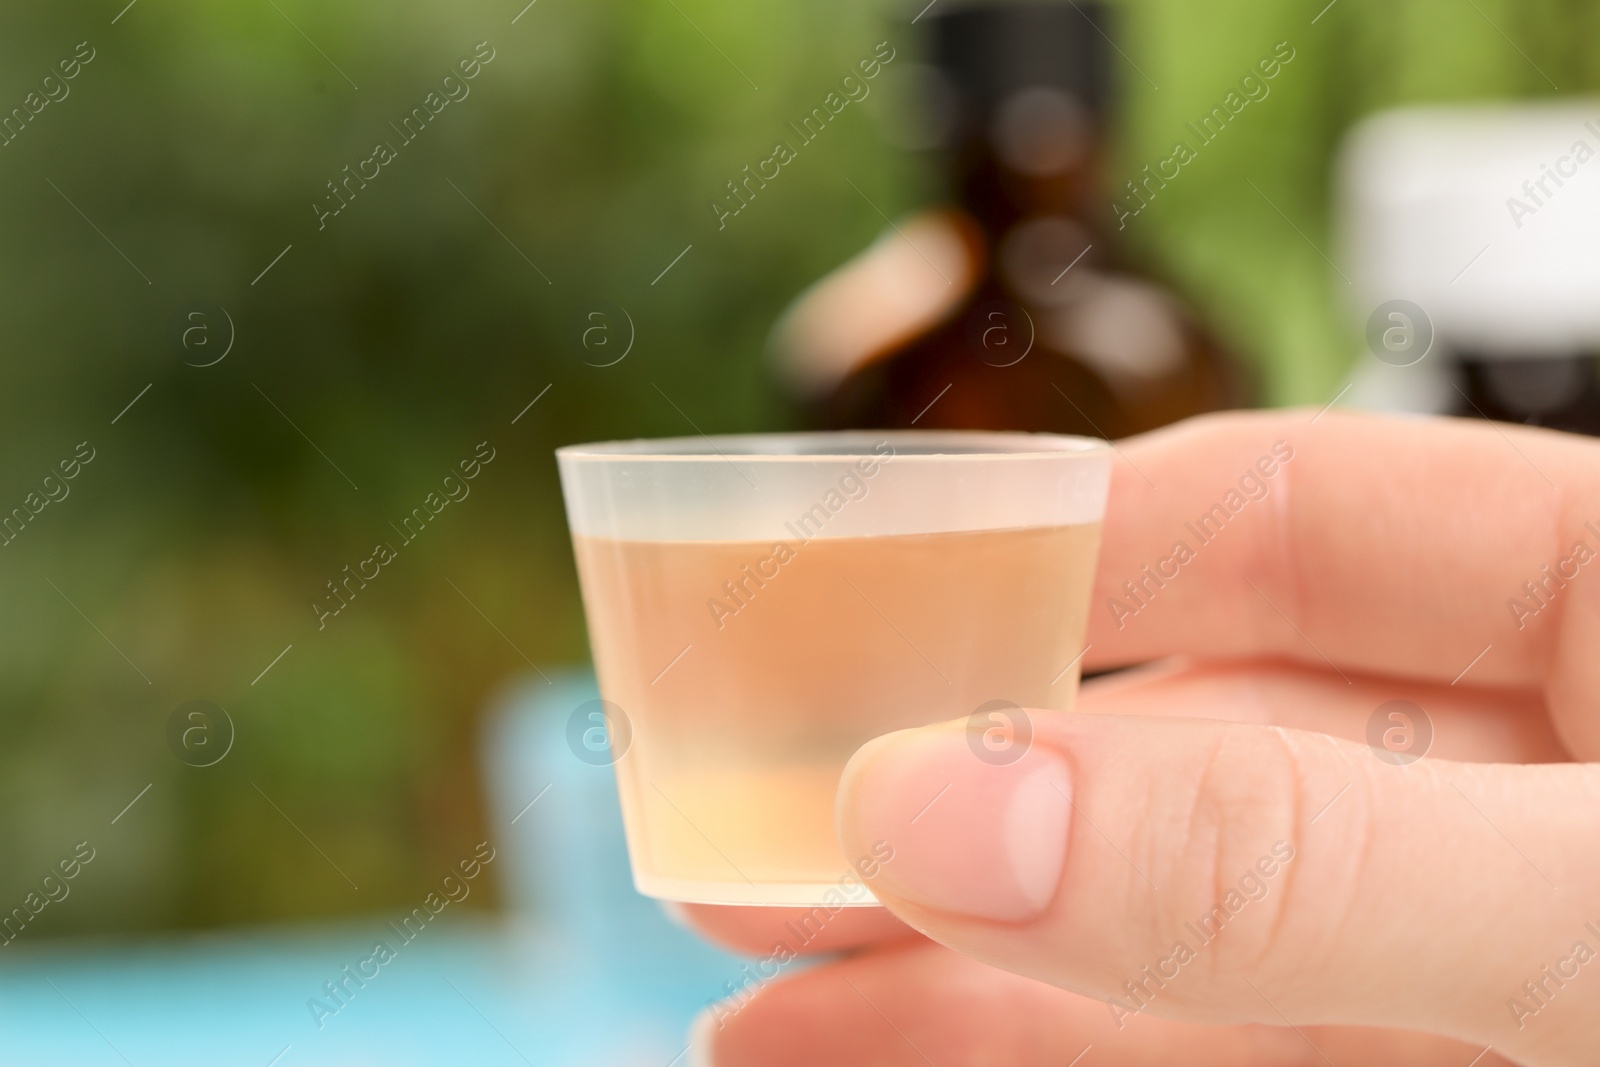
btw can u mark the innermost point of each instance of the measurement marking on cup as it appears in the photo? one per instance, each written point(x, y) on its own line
point(131, 803)
point(897, 630)
point(673, 664)
point(1071, 665)
point(702, 833)
point(531, 803)
point(931, 803)
point(1471, 665)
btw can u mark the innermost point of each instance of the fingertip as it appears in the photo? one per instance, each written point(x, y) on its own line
point(965, 829)
point(754, 930)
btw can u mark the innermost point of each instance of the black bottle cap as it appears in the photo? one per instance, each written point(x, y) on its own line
point(989, 52)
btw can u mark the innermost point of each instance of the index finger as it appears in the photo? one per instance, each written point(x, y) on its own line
point(1436, 549)
point(797, 931)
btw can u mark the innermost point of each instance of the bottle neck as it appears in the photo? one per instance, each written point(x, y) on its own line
point(1036, 151)
point(998, 197)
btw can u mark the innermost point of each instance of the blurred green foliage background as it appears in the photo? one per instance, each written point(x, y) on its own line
point(188, 154)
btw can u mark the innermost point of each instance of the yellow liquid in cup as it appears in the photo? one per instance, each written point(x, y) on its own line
point(750, 673)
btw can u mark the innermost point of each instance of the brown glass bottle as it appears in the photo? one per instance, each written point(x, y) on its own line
point(1044, 321)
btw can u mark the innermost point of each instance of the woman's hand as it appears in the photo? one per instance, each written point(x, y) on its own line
point(1240, 855)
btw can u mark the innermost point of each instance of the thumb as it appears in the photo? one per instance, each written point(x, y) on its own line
point(1218, 872)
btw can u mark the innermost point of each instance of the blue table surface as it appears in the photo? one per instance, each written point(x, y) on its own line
point(464, 988)
point(580, 970)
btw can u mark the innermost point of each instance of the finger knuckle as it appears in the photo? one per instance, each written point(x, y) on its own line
point(1234, 882)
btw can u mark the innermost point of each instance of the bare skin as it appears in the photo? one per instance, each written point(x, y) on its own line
point(1333, 906)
